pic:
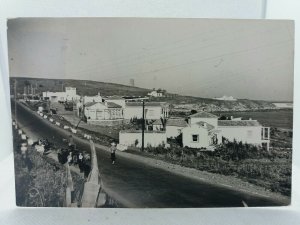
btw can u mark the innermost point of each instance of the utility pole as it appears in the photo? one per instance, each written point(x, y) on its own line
point(143, 127)
point(16, 101)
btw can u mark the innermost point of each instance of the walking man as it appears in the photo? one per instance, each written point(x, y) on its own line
point(113, 152)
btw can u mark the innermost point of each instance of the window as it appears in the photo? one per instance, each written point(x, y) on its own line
point(195, 138)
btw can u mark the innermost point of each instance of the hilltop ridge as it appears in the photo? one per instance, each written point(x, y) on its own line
point(179, 103)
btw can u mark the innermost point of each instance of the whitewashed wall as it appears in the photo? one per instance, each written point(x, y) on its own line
point(241, 134)
point(187, 139)
point(153, 139)
point(173, 131)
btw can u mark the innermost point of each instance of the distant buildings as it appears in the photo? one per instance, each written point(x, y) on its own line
point(157, 93)
point(226, 98)
point(153, 110)
point(68, 95)
point(284, 105)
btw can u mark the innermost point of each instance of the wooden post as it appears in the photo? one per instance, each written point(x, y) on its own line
point(16, 101)
point(143, 127)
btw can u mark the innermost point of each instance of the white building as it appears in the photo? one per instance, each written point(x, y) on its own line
point(226, 98)
point(68, 95)
point(156, 93)
point(204, 130)
point(246, 131)
point(153, 110)
point(106, 114)
point(174, 127)
point(199, 135)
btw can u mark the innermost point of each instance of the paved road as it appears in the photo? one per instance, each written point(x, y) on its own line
point(144, 186)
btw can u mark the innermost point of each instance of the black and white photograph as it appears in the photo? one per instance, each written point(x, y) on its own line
point(151, 112)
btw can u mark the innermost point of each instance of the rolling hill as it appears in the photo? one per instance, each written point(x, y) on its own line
point(178, 103)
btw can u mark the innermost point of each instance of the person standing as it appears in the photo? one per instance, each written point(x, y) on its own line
point(80, 162)
point(113, 153)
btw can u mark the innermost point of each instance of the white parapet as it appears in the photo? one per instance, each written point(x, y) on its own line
point(20, 131)
point(30, 141)
point(45, 117)
point(23, 148)
point(23, 137)
point(84, 135)
point(57, 123)
point(13, 123)
point(66, 127)
point(51, 120)
point(16, 126)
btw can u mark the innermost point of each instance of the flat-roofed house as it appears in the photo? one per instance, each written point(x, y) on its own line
point(103, 113)
point(153, 110)
point(246, 131)
point(68, 95)
point(205, 130)
point(174, 127)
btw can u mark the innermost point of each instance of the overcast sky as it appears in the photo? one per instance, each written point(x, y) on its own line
point(200, 57)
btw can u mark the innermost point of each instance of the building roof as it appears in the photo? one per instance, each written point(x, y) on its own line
point(113, 105)
point(89, 104)
point(140, 131)
point(178, 122)
point(203, 124)
point(239, 123)
point(157, 122)
point(148, 104)
point(114, 97)
point(203, 114)
point(109, 104)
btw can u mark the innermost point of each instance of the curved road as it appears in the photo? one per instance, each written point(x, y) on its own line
point(141, 185)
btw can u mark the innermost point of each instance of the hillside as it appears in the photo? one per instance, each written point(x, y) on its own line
point(178, 103)
point(84, 87)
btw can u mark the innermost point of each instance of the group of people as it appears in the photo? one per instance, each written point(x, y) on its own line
point(73, 156)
